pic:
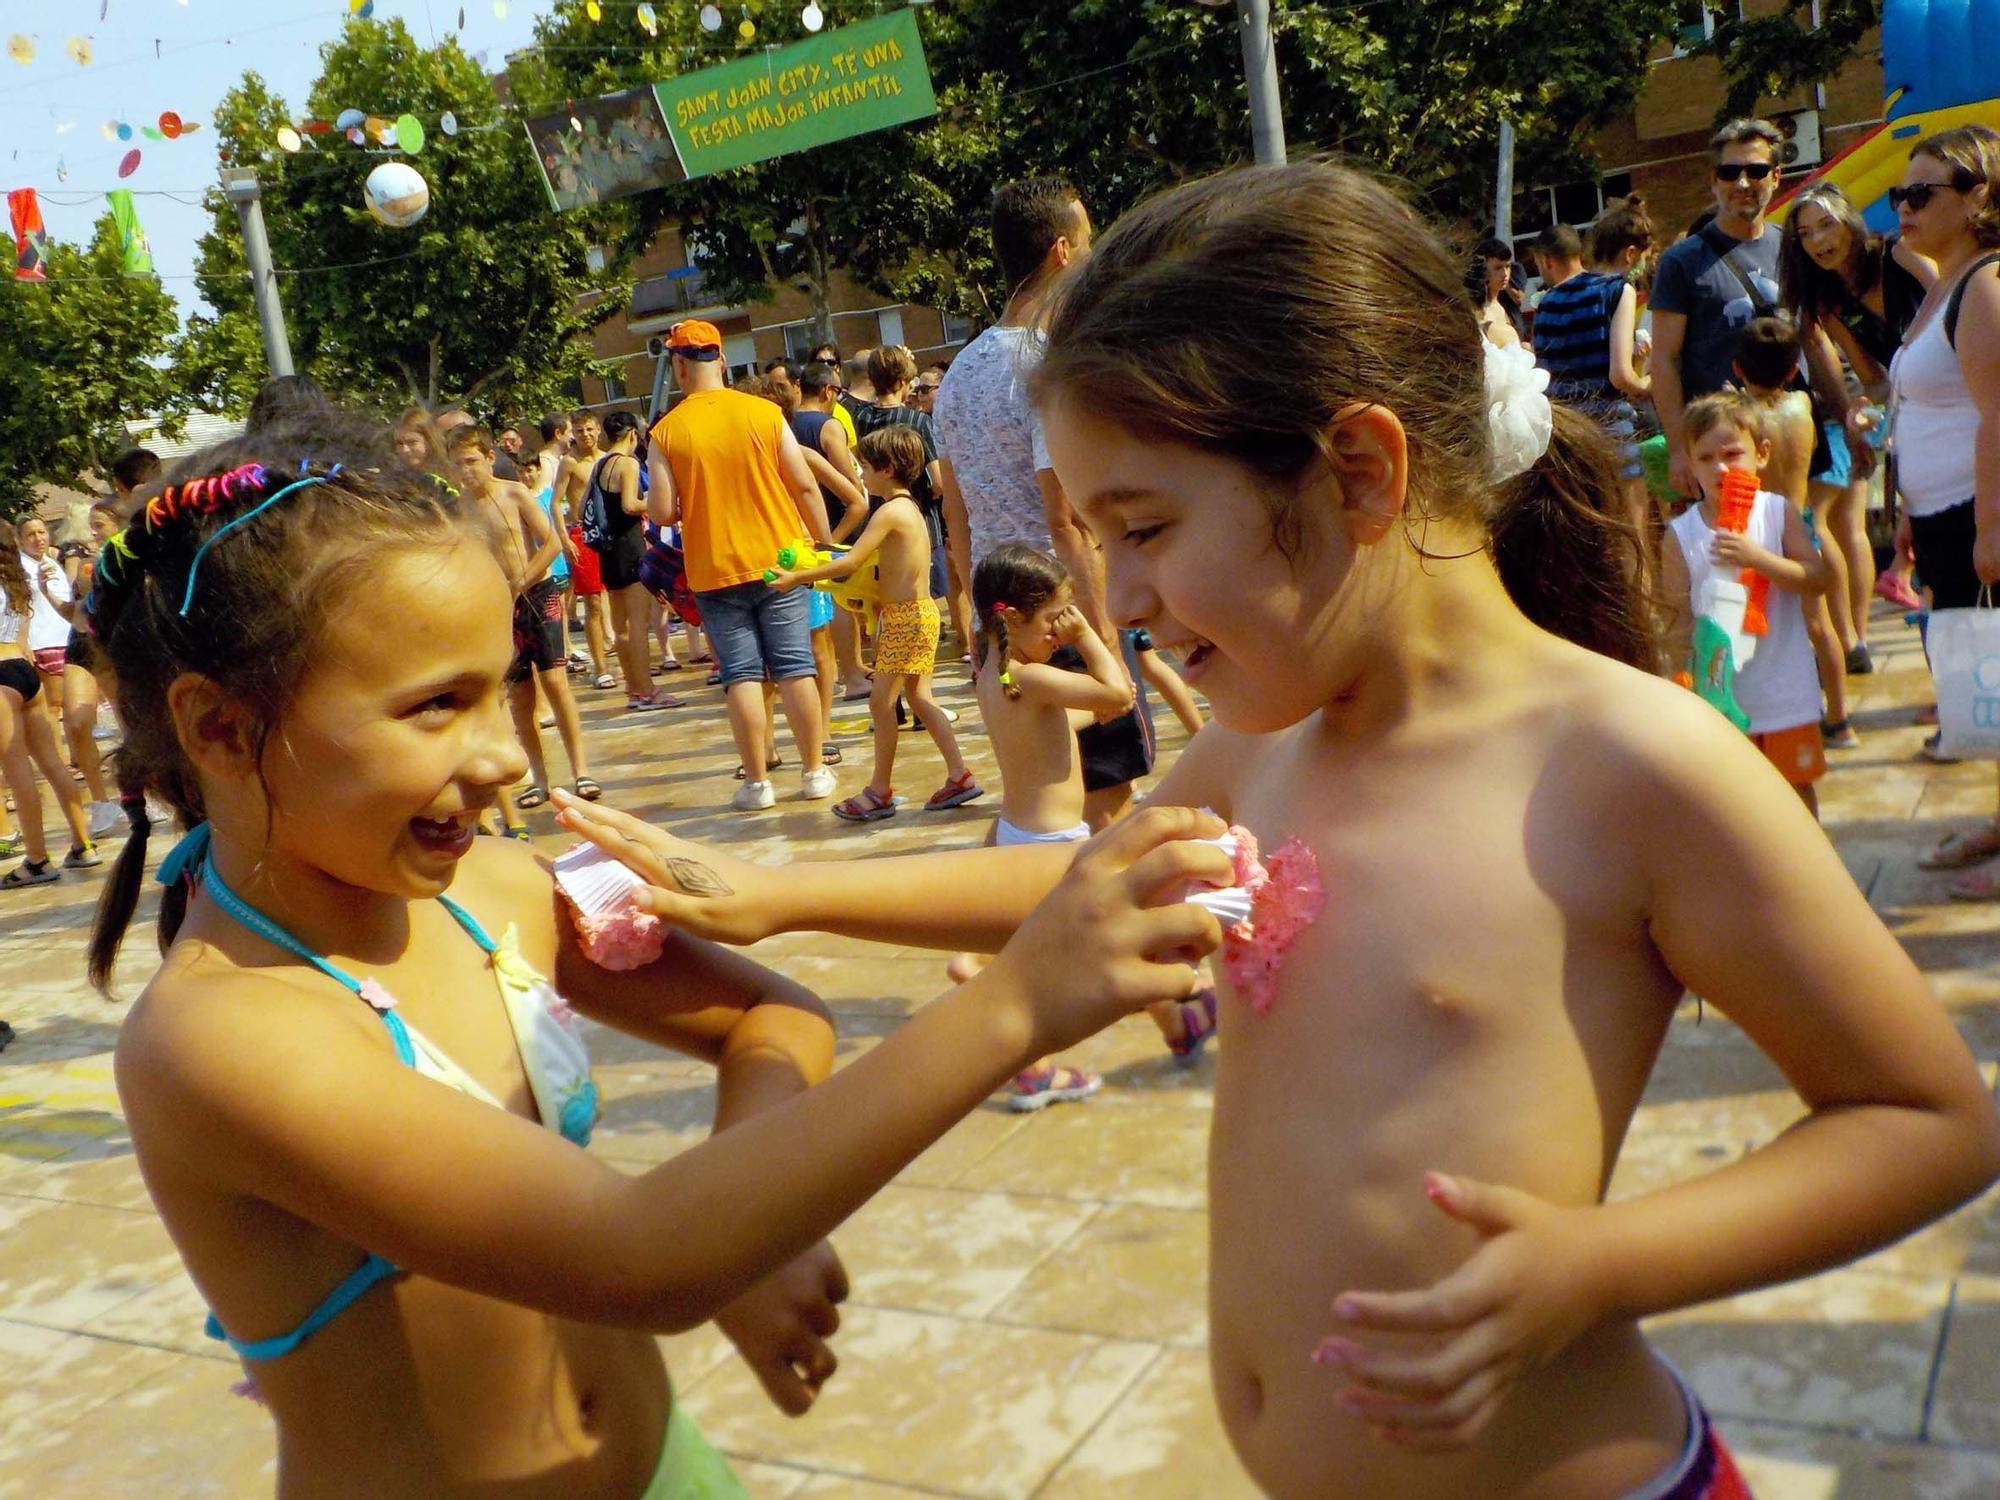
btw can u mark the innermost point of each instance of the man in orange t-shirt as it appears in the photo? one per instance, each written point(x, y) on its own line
point(726, 469)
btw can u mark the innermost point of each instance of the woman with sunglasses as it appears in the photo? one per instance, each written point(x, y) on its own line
point(1945, 404)
point(1852, 293)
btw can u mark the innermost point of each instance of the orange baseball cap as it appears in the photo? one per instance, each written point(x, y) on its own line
point(695, 339)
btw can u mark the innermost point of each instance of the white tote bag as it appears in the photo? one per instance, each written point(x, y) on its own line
point(1965, 659)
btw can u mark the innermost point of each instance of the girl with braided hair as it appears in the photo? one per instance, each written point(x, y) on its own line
point(361, 1103)
point(27, 741)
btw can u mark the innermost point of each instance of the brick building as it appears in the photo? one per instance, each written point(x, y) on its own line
point(667, 285)
point(1661, 149)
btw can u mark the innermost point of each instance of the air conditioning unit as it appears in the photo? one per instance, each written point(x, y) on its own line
point(656, 347)
point(1800, 151)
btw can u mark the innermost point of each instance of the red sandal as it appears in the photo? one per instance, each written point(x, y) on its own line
point(865, 806)
point(956, 792)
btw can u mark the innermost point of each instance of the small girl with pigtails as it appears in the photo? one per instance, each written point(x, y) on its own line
point(356, 1085)
point(1501, 851)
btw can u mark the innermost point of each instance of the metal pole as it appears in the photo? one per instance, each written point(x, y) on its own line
point(1260, 75)
point(243, 189)
point(1503, 186)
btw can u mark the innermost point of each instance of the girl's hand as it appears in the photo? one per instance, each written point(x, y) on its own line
point(1112, 937)
point(697, 889)
point(781, 1325)
point(1520, 1299)
point(1069, 625)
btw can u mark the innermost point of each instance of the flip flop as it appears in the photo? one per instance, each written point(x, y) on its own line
point(534, 796)
point(604, 680)
point(588, 789)
point(1198, 1019)
point(1957, 851)
point(829, 755)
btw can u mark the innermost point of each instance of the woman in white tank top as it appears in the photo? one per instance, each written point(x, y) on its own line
point(1945, 395)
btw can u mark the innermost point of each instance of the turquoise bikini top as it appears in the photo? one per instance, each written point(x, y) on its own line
point(545, 1032)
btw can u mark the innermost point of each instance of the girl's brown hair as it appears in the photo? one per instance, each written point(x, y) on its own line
point(263, 598)
point(1973, 154)
point(1013, 577)
point(415, 419)
point(1808, 290)
point(1243, 313)
point(14, 585)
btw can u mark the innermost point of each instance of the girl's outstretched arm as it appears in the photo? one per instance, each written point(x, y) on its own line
point(963, 898)
point(1751, 908)
point(304, 1105)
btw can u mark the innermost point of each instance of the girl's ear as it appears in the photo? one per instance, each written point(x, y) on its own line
point(1370, 460)
point(215, 731)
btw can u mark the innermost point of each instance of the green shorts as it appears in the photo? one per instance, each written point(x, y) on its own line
point(690, 1468)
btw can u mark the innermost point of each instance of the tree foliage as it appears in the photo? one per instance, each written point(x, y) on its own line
point(481, 301)
point(1775, 56)
point(79, 353)
point(1123, 97)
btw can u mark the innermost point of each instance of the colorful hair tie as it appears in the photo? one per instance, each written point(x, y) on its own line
point(194, 567)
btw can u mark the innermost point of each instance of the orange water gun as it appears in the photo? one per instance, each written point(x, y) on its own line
point(1739, 496)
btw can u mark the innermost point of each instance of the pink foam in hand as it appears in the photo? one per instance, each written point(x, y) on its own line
point(614, 932)
point(1284, 897)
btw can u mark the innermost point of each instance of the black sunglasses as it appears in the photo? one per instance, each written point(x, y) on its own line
point(1756, 171)
point(1918, 194)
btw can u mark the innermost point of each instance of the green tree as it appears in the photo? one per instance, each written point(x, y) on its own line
point(1122, 98)
point(480, 302)
point(79, 354)
point(1775, 56)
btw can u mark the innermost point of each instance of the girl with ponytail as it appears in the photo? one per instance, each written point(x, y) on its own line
point(1410, 592)
point(357, 1086)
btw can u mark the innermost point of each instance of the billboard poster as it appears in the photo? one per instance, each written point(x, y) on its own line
point(842, 83)
point(604, 148)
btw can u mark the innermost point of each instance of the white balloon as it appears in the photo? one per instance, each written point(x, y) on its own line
point(396, 194)
point(812, 17)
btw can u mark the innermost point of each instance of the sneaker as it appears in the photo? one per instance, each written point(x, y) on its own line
point(1859, 662)
point(1038, 1088)
point(82, 857)
point(753, 796)
point(104, 818)
point(815, 784)
point(1839, 735)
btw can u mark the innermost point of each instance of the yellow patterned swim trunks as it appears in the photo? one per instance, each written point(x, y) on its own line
point(906, 641)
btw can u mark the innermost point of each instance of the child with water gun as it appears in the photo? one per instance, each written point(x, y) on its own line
point(907, 638)
point(1759, 672)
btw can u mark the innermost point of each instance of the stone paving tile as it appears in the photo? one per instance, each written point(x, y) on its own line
point(932, 1402)
point(1966, 1407)
point(1132, 1271)
point(947, 1251)
point(1141, 1153)
point(54, 1378)
point(1163, 1441)
point(1850, 1350)
point(62, 1264)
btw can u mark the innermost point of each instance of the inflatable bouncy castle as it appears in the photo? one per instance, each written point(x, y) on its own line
point(1940, 68)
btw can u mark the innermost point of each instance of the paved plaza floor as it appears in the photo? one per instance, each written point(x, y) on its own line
point(1028, 1311)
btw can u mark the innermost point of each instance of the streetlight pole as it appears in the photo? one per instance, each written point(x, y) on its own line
point(1260, 76)
point(242, 188)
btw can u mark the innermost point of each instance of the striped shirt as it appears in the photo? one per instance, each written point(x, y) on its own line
point(1573, 337)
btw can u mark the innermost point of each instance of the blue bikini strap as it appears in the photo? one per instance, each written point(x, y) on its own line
point(470, 923)
point(359, 1280)
point(188, 860)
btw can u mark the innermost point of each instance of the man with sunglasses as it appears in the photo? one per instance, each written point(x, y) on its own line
point(1708, 287)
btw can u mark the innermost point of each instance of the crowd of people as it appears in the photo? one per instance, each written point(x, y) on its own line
point(1255, 442)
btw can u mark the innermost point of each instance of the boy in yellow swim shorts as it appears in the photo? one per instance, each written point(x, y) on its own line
point(907, 638)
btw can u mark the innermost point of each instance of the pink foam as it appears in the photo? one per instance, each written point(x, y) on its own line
point(623, 938)
point(1286, 897)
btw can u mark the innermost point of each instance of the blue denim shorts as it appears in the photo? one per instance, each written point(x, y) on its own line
point(757, 632)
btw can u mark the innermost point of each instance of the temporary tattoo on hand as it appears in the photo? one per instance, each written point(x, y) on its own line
point(696, 878)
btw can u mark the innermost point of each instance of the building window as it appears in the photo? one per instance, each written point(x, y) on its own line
point(889, 322)
point(957, 330)
point(1694, 23)
point(614, 385)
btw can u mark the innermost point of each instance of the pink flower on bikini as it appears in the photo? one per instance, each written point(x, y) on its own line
point(378, 996)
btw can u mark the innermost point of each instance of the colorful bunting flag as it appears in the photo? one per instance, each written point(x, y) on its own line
point(131, 238)
point(30, 239)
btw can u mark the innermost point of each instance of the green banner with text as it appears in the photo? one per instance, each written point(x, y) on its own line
point(850, 81)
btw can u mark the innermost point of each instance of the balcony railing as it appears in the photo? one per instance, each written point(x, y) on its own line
point(680, 291)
